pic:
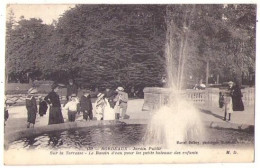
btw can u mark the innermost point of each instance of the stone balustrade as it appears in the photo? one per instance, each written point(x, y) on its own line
point(155, 97)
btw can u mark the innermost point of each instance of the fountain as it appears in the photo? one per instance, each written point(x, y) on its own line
point(174, 119)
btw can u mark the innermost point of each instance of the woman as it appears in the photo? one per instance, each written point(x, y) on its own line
point(99, 106)
point(31, 107)
point(237, 95)
point(55, 115)
point(109, 112)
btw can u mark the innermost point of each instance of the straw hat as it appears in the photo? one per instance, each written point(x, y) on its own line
point(120, 89)
point(73, 95)
point(230, 82)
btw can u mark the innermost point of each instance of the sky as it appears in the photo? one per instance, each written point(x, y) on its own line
point(47, 13)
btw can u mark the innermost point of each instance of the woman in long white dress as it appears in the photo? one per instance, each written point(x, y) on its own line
point(99, 106)
point(109, 112)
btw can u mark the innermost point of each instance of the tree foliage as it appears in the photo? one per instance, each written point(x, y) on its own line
point(111, 45)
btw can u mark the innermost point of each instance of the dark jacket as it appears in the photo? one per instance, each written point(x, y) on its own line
point(85, 104)
point(237, 99)
point(53, 98)
point(31, 105)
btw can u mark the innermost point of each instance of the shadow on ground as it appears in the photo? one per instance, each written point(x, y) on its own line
point(210, 113)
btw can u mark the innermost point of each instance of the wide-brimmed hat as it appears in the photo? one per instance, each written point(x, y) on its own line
point(32, 91)
point(230, 82)
point(100, 95)
point(54, 86)
point(120, 89)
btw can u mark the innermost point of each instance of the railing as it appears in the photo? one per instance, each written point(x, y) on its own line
point(155, 97)
point(248, 96)
point(197, 96)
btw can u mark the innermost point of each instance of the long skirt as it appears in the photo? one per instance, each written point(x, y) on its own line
point(55, 116)
point(99, 112)
point(109, 113)
point(238, 104)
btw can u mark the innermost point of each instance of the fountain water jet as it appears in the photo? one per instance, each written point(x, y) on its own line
point(177, 119)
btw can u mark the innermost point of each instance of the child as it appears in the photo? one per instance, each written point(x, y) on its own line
point(31, 107)
point(86, 105)
point(228, 106)
point(221, 100)
point(42, 107)
point(71, 107)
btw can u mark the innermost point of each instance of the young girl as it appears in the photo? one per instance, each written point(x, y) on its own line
point(228, 107)
point(31, 107)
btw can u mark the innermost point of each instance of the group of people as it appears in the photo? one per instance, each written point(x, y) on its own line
point(109, 105)
point(231, 100)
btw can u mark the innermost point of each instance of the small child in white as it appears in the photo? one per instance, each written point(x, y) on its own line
point(71, 107)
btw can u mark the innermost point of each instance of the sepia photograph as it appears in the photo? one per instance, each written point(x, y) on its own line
point(129, 83)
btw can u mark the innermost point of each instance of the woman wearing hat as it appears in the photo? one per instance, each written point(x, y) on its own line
point(31, 107)
point(109, 112)
point(237, 95)
point(55, 115)
point(99, 106)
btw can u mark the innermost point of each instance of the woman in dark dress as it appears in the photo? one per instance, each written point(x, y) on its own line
point(55, 115)
point(237, 95)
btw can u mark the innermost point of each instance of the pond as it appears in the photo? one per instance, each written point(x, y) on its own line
point(121, 135)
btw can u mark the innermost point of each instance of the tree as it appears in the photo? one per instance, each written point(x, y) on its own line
point(111, 41)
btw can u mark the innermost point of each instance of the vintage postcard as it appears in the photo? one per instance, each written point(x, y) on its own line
point(129, 83)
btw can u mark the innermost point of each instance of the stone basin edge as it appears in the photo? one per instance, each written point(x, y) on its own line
point(27, 132)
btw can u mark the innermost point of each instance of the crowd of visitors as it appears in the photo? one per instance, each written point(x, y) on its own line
point(109, 105)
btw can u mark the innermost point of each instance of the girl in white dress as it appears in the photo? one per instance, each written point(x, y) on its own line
point(109, 112)
point(99, 106)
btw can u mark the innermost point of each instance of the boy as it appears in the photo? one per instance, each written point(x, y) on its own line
point(86, 105)
point(71, 107)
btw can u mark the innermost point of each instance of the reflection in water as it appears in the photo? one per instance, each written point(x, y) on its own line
point(119, 136)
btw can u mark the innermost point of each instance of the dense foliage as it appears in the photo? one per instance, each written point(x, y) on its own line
point(110, 45)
